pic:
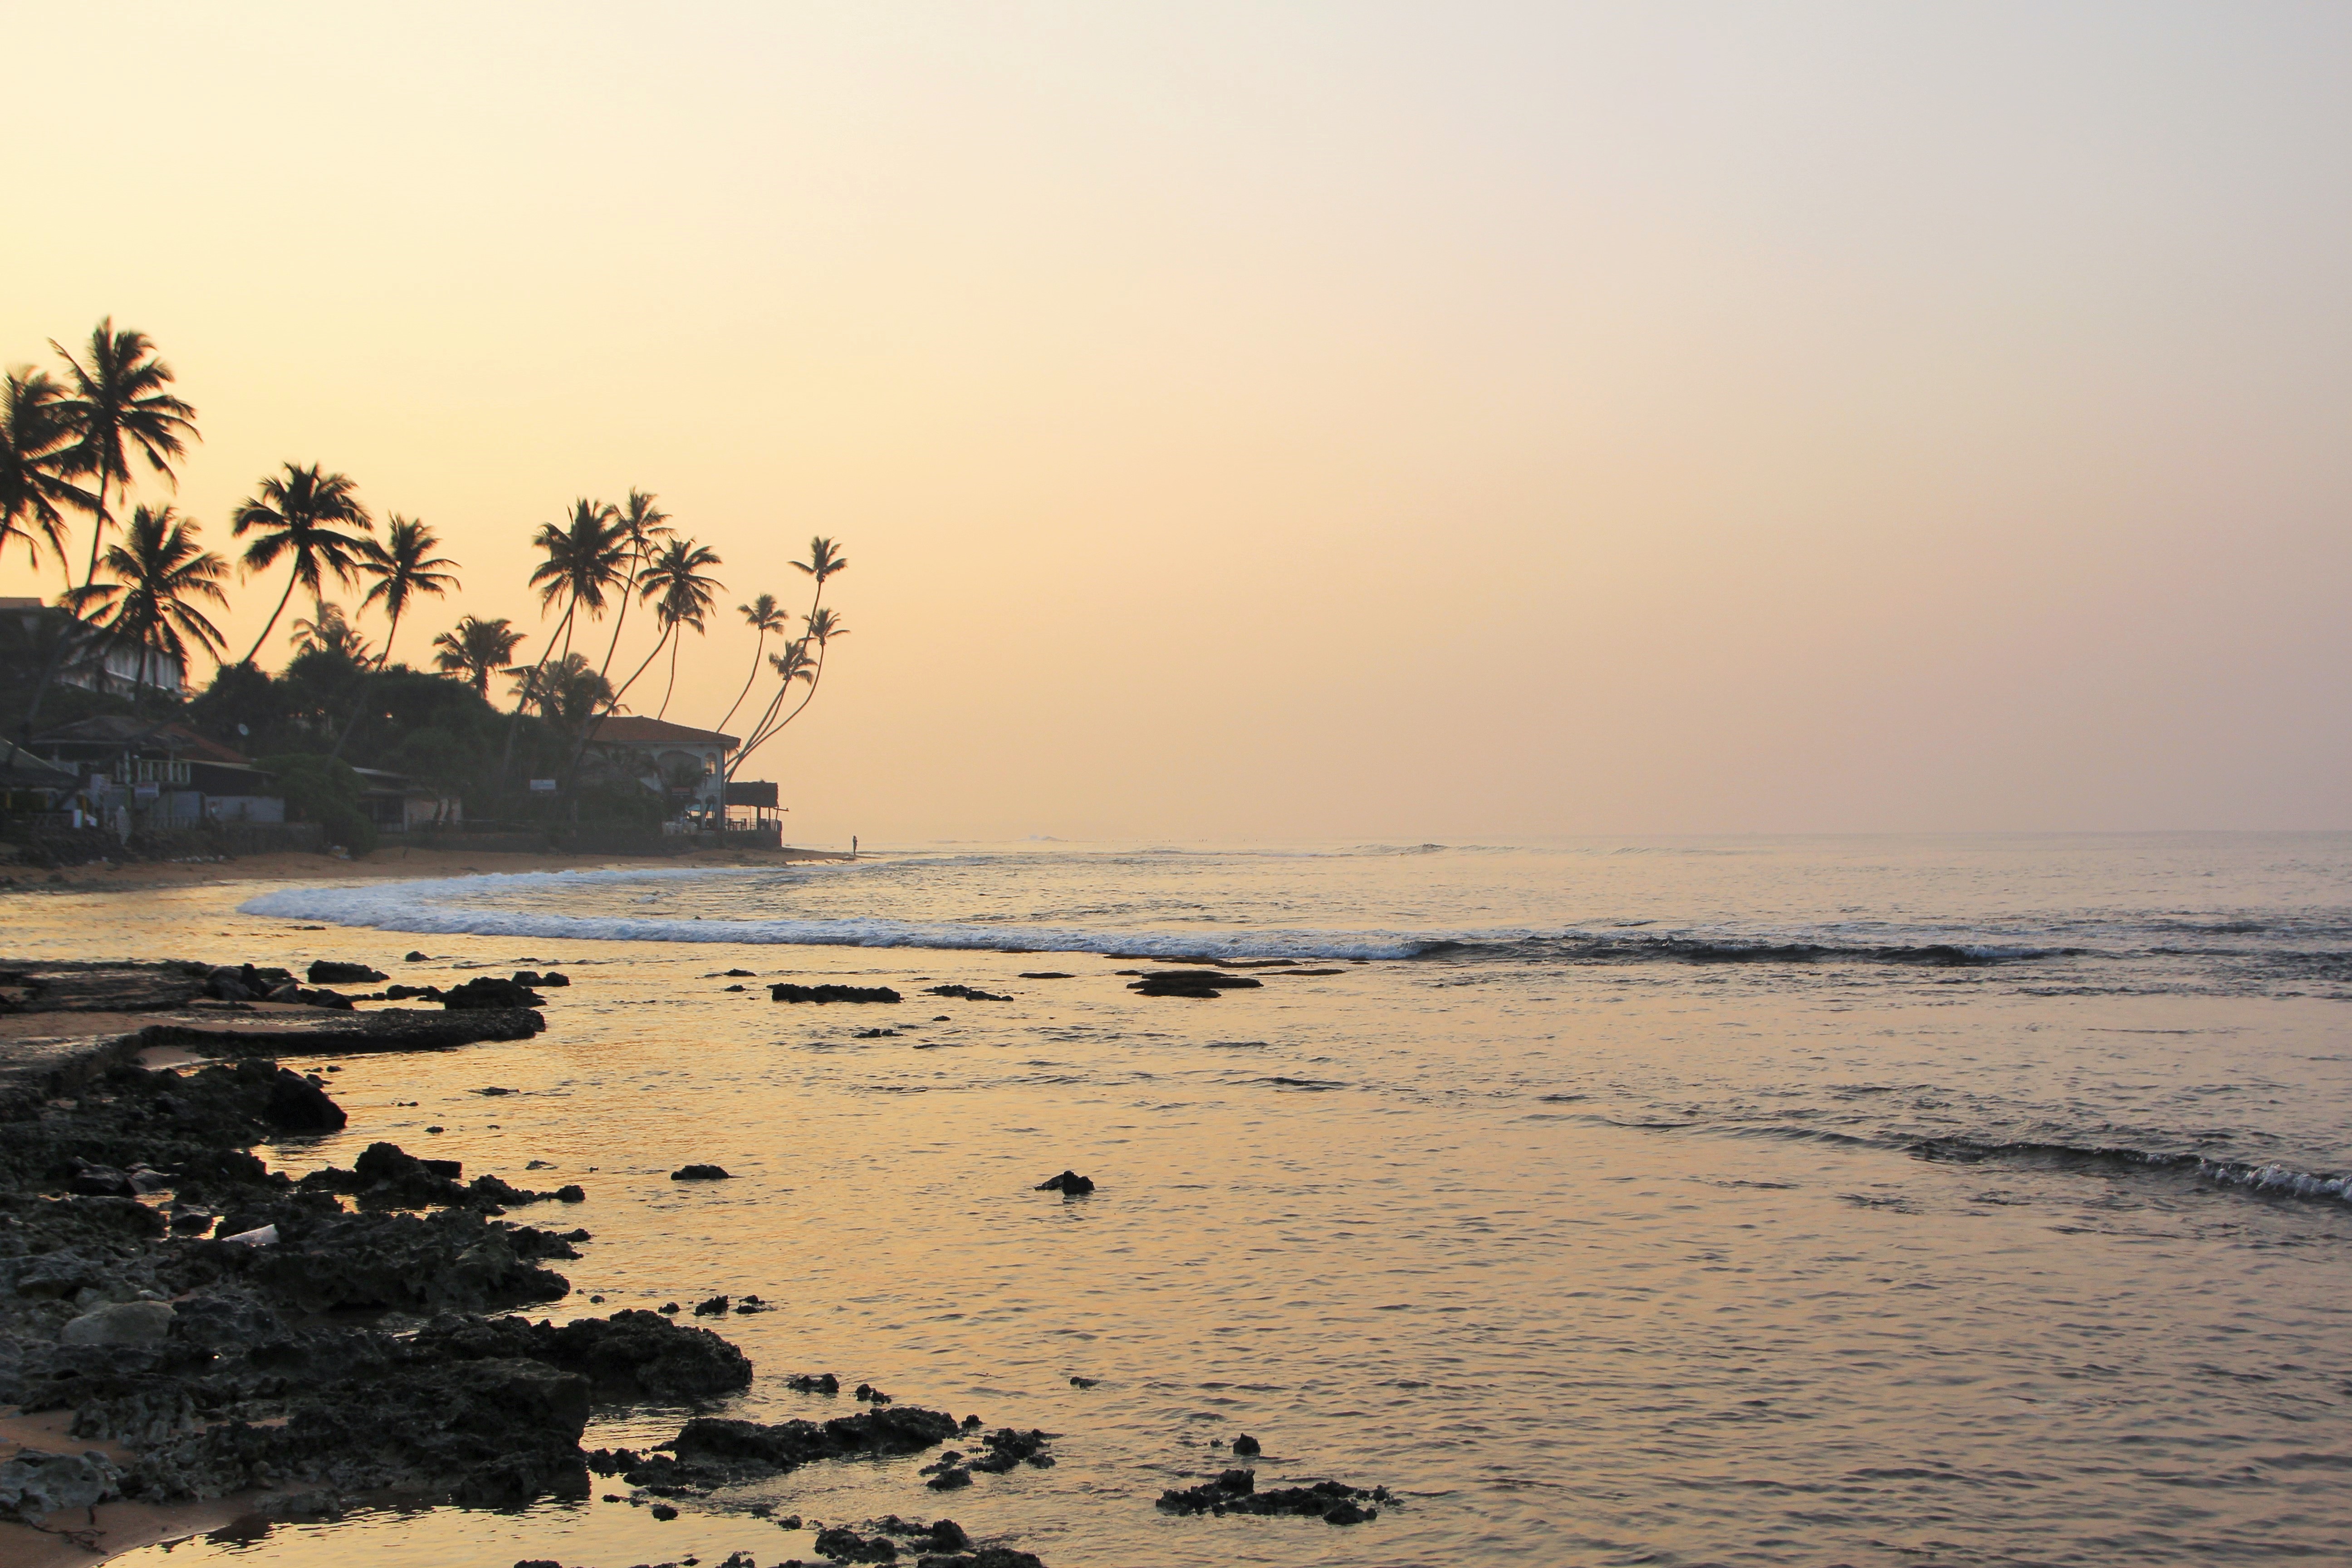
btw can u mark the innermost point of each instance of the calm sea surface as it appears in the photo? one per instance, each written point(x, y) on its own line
point(1820, 1200)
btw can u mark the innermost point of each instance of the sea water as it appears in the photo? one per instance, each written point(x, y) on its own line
point(1738, 1201)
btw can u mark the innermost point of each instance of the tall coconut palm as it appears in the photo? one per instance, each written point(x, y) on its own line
point(119, 407)
point(587, 556)
point(566, 691)
point(159, 574)
point(644, 525)
point(301, 514)
point(476, 650)
point(763, 615)
point(36, 464)
point(403, 567)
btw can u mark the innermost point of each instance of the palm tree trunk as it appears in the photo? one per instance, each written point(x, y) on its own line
point(756, 738)
point(614, 701)
point(272, 626)
point(97, 530)
point(757, 649)
point(391, 632)
point(506, 756)
point(676, 643)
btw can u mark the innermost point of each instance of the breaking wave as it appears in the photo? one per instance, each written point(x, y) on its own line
point(512, 905)
point(2269, 1177)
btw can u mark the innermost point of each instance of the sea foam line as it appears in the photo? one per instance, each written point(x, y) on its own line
point(410, 906)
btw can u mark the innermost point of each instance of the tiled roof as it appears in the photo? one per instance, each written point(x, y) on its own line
point(635, 730)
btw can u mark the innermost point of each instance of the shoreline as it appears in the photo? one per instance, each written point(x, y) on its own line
point(391, 862)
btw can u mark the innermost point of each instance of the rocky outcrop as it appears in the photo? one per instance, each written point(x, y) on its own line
point(1069, 1183)
point(786, 992)
point(1235, 1491)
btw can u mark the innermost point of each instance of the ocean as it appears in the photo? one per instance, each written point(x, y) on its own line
point(1811, 1201)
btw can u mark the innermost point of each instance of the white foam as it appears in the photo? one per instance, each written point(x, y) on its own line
point(456, 906)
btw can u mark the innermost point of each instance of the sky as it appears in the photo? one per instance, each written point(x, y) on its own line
point(1279, 421)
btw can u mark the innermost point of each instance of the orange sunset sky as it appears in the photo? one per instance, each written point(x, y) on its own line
point(1283, 421)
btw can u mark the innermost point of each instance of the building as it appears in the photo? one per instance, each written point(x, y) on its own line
point(109, 666)
point(160, 775)
point(688, 766)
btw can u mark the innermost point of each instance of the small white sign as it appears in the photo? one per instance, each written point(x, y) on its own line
point(543, 786)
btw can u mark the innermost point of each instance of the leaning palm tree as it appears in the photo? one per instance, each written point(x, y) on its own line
point(825, 561)
point(119, 407)
point(403, 567)
point(158, 571)
point(35, 463)
point(763, 615)
point(476, 650)
point(301, 514)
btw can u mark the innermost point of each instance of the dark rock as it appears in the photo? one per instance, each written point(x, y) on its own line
point(1237, 1491)
point(949, 1479)
point(326, 972)
point(714, 1308)
point(986, 1557)
point(831, 993)
point(528, 977)
point(1082, 1382)
point(1045, 975)
point(1246, 1445)
point(821, 1382)
point(1195, 984)
point(1069, 1183)
point(406, 992)
point(844, 1545)
point(555, 980)
point(414, 957)
point(738, 974)
point(298, 1105)
point(486, 992)
point(699, 1174)
point(663, 1511)
point(734, 988)
point(871, 1394)
point(538, 1563)
point(571, 1192)
point(631, 1355)
point(968, 992)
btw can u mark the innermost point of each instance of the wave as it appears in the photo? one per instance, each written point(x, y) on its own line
point(2270, 1176)
point(489, 906)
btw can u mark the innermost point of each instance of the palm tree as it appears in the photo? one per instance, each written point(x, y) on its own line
point(297, 514)
point(763, 615)
point(825, 561)
point(403, 566)
point(566, 691)
point(329, 631)
point(586, 555)
point(120, 406)
point(159, 571)
point(477, 650)
point(36, 458)
point(644, 525)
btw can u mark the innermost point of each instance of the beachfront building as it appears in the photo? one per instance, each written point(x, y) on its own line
point(159, 774)
point(110, 666)
point(687, 766)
